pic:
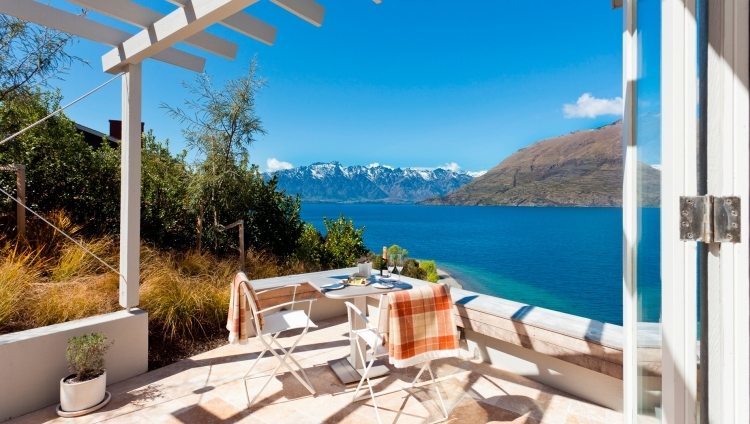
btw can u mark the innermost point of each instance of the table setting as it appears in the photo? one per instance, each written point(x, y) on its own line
point(356, 288)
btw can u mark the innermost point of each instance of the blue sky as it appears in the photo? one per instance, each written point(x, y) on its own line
point(403, 83)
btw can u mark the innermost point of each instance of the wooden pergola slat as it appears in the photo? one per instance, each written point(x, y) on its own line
point(50, 17)
point(143, 17)
point(182, 23)
point(245, 24)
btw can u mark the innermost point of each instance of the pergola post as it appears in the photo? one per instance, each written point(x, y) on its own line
point(130, 190)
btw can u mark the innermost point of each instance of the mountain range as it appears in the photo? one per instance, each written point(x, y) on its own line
point(583, 168)
point(333, 182)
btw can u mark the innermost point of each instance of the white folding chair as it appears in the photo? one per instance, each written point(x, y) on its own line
point(275, 324)
point(372, 336)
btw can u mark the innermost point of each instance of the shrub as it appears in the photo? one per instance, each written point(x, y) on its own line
point(428, 266)
point(431, 270)
point(433, 277)
point(412, 269)
point(343, 243)
point(309, 247)
point(85, 355)
point(273, 222)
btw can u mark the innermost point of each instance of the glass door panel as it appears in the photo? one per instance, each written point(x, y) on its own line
point(648, 262)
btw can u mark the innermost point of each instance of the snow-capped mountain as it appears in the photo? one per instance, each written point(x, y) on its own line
point(333, 182)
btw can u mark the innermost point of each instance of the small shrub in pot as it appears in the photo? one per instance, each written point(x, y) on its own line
point(85, 355)
point(86, 387)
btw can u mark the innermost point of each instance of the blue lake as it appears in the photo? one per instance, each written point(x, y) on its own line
point(565, 259)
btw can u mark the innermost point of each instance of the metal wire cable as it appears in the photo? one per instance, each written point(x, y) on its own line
point(63, 233)
point(60, 110)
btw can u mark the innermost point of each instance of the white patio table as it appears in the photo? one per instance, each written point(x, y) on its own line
point(349, 369)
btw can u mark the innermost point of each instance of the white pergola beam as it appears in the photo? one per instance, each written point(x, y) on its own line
point(48, 16)
point(244, 24)
point(143, 17)
point(308, 10)
point(196, 16)
point(252, 27)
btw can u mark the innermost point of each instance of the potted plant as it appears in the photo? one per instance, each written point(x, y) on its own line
point(84, 390)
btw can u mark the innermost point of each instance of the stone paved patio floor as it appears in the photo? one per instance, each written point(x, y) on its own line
point(207, 388)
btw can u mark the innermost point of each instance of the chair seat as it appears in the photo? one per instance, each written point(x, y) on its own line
point(374, 341)
point(285, 320)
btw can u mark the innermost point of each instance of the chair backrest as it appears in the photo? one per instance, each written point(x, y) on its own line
point(381, 321)
point(421, 325)
point(249, 291)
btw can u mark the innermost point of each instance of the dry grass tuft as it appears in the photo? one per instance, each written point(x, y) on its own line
point(45, 239)
point(76, 262)
point(17, 274)
point(55, 302)
point(186, 295)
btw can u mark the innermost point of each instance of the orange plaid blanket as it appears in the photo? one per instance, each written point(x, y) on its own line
point(238, 318)
point(421, 326)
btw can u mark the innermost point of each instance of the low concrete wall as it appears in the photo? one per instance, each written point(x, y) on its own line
point(578, 381)
point(32, 362)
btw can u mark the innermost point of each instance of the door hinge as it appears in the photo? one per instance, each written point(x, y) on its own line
point(710, 219)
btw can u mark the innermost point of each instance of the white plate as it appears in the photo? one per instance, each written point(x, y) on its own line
point(382, 286)
point(386, 279)
point(333, 286)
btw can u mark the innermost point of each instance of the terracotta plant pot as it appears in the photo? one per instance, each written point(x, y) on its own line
point(81, 396)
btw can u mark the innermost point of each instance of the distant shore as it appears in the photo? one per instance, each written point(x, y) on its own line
point(448, 279)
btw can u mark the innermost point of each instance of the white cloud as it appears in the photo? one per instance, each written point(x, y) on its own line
point(376, 164)
point(589, 106)
point(273, 165)
point(453, 166)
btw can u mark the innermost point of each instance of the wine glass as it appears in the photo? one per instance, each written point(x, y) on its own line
point(400, 259)
point(391, 264)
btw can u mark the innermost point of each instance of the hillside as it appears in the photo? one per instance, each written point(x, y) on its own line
point(583, 168)
point(333, 182)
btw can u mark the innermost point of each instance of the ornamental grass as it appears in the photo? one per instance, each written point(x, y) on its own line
point(46, 279)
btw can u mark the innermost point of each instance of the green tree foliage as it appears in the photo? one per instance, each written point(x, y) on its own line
point(396, 249)
point(30, 56)
point(221, 126)
point(343, 244)
point(62, 171)
point(274, 223)
point(167, 218)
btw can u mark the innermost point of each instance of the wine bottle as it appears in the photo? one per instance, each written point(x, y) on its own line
point(385, 260)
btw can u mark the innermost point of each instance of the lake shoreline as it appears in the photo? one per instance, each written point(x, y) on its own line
point(446, 278)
